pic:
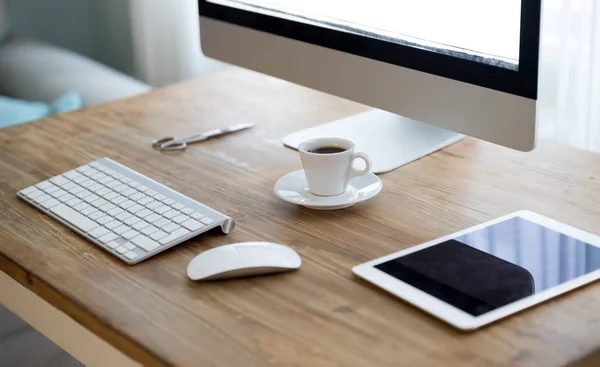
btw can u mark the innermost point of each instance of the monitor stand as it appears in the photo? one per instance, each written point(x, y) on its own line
point(390, 140)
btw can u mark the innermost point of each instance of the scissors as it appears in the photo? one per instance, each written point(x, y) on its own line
point(171, 143)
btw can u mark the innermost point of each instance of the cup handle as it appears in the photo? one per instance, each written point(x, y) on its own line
point(359, 172)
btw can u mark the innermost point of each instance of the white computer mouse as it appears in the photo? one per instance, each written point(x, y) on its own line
point(243, 259)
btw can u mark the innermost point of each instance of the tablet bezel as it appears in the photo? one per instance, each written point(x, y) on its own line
point(455, 316)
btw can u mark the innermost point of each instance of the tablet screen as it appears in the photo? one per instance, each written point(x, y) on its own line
point(495, 266)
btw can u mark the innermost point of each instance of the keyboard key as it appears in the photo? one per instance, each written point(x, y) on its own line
point(59, 180)
point(95, 187)
point(144, 213)
point(192, 225)
point(123, 216)
point(67, 186)
point(161, 209)
point(142, 188)
point(114, 211)
point(118, 176)
point(132, 220)
point(140, 225)
point(134, 184)
point(42, 185)
point(90, 172)
point(102, 168)
point(73, 202)
point(121, 250)
point(72, 175)
point(81, 179)
point(50, 189)
point(180, 218)
point(126, 204)
point(118, 200)
point(130, 234)
point(160, 197)
point(170, 214)
point(50, 203)
point(34, 194)
point(107, 180)
point(149, 230)
point(135, 208)
point(206, 220)
point(178, 206)
point(95, 164)
point(29, 190)
point(111, 195)
point(170, 227)
point(98, 203)
point(174, 236)
point(89, 210)
point(58, 193)
point(130, 246)
point(187, 211)
point(161, 222)
point(145, 243)
point(96, 215)
point(103, 191)
point(83, 169)
point(74, 190)
point(98, 176)
point(125, 180)
point(91, 198)
point(113, 224)
point(83, 194)
point(108, 237)
point(121, 229)
point(153, 205)
point(137, 196)
point(131, 255)
point(40, 199)
point(87, 183)
point(151, 193)
point(169, 202)
point(106, 207)
point(67, 197)
point(152, 217)
point(104, 180)
point(112, 244)
point(74, 218)
point(104, 220)
point(120, 188)
point(158, 235)
point(129, 192)
point(112, 184)
point(145, 200)
point(110, 171)
point(79, 207)
point(98, 232)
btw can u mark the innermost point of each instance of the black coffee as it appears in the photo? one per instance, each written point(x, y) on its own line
point(327, 150)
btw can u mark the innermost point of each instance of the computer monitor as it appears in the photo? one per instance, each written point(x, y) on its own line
point(433, 69)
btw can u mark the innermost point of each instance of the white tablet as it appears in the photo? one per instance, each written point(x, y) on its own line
point(479, 275)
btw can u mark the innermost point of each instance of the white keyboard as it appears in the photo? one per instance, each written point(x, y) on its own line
point(122, 211)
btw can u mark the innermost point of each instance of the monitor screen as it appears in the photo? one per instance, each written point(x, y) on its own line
point(483, 31)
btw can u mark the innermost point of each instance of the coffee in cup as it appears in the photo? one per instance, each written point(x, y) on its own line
point(329, 164)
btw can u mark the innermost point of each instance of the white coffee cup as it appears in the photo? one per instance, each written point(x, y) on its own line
point(328, 173)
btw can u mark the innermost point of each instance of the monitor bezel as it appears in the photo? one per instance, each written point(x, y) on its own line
point(522, 82)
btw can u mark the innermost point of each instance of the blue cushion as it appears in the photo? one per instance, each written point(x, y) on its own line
point(17, 111)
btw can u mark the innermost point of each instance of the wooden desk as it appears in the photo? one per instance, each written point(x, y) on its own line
point(321, 315)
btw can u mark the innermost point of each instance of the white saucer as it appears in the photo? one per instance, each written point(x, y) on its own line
point(293, 188)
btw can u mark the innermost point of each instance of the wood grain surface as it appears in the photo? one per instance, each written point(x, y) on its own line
point(320, 315)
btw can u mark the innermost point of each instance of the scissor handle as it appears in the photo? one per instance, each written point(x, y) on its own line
point(157, 143)
point(174, 145)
